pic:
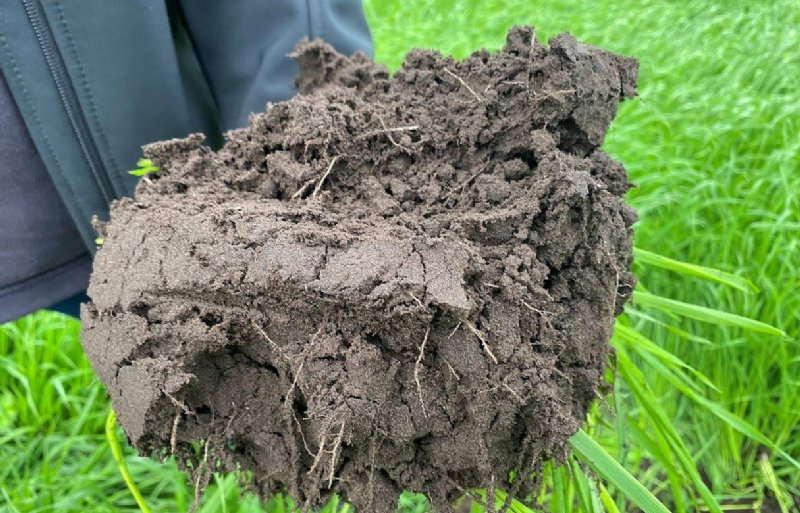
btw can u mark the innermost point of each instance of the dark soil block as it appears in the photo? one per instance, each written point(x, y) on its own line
point(382, 284)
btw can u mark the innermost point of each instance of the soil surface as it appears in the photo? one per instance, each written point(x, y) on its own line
point(386, 283)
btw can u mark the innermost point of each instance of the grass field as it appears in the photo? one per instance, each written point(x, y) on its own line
point(713, 142)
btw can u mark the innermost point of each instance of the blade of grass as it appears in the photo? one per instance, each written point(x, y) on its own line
point(656, 446)
point(634, 313)
point(662, 426)
point(7, 500)
point(708, 273)
point(116, 451)
point(772, 482)
point(591, 453)
point(608, 503)
point(500, 498)
point(642, 345)
point(701, 313)
point(587, 495)
point(739, 424)
point(734, 421)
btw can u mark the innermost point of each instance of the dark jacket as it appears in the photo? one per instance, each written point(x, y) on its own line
point(94, 80)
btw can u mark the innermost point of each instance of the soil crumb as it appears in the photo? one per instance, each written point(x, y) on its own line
point(385, 283)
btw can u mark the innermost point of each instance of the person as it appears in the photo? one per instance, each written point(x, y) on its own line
point(83, 85)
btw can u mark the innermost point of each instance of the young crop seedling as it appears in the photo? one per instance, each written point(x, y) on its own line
point(144, 167)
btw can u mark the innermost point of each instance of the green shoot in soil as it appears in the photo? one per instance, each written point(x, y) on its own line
point(144, 167)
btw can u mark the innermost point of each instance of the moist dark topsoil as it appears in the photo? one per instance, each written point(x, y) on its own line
point(386, 283)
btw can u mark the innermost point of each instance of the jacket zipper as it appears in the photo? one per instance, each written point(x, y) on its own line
point(68, 96)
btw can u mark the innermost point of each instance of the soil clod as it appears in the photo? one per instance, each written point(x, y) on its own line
point(385, 283)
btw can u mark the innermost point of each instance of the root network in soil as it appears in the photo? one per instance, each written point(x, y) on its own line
point(385, 283)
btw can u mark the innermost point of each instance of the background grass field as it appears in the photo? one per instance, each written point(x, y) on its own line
point(714, 145)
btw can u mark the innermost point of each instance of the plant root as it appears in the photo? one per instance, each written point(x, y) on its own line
point(417, 366)
point(461, 80)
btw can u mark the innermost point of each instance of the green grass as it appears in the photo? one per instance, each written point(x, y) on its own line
point(706, 409)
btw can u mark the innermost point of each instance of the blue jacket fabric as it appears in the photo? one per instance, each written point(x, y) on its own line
point(42, 255)
point(93, 80)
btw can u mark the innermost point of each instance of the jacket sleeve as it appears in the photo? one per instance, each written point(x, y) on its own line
point(242, 46)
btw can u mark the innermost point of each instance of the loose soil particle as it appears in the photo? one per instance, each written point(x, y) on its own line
point(386, 283)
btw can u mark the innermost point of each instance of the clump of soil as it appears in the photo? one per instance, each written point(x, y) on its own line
point(386, 283)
